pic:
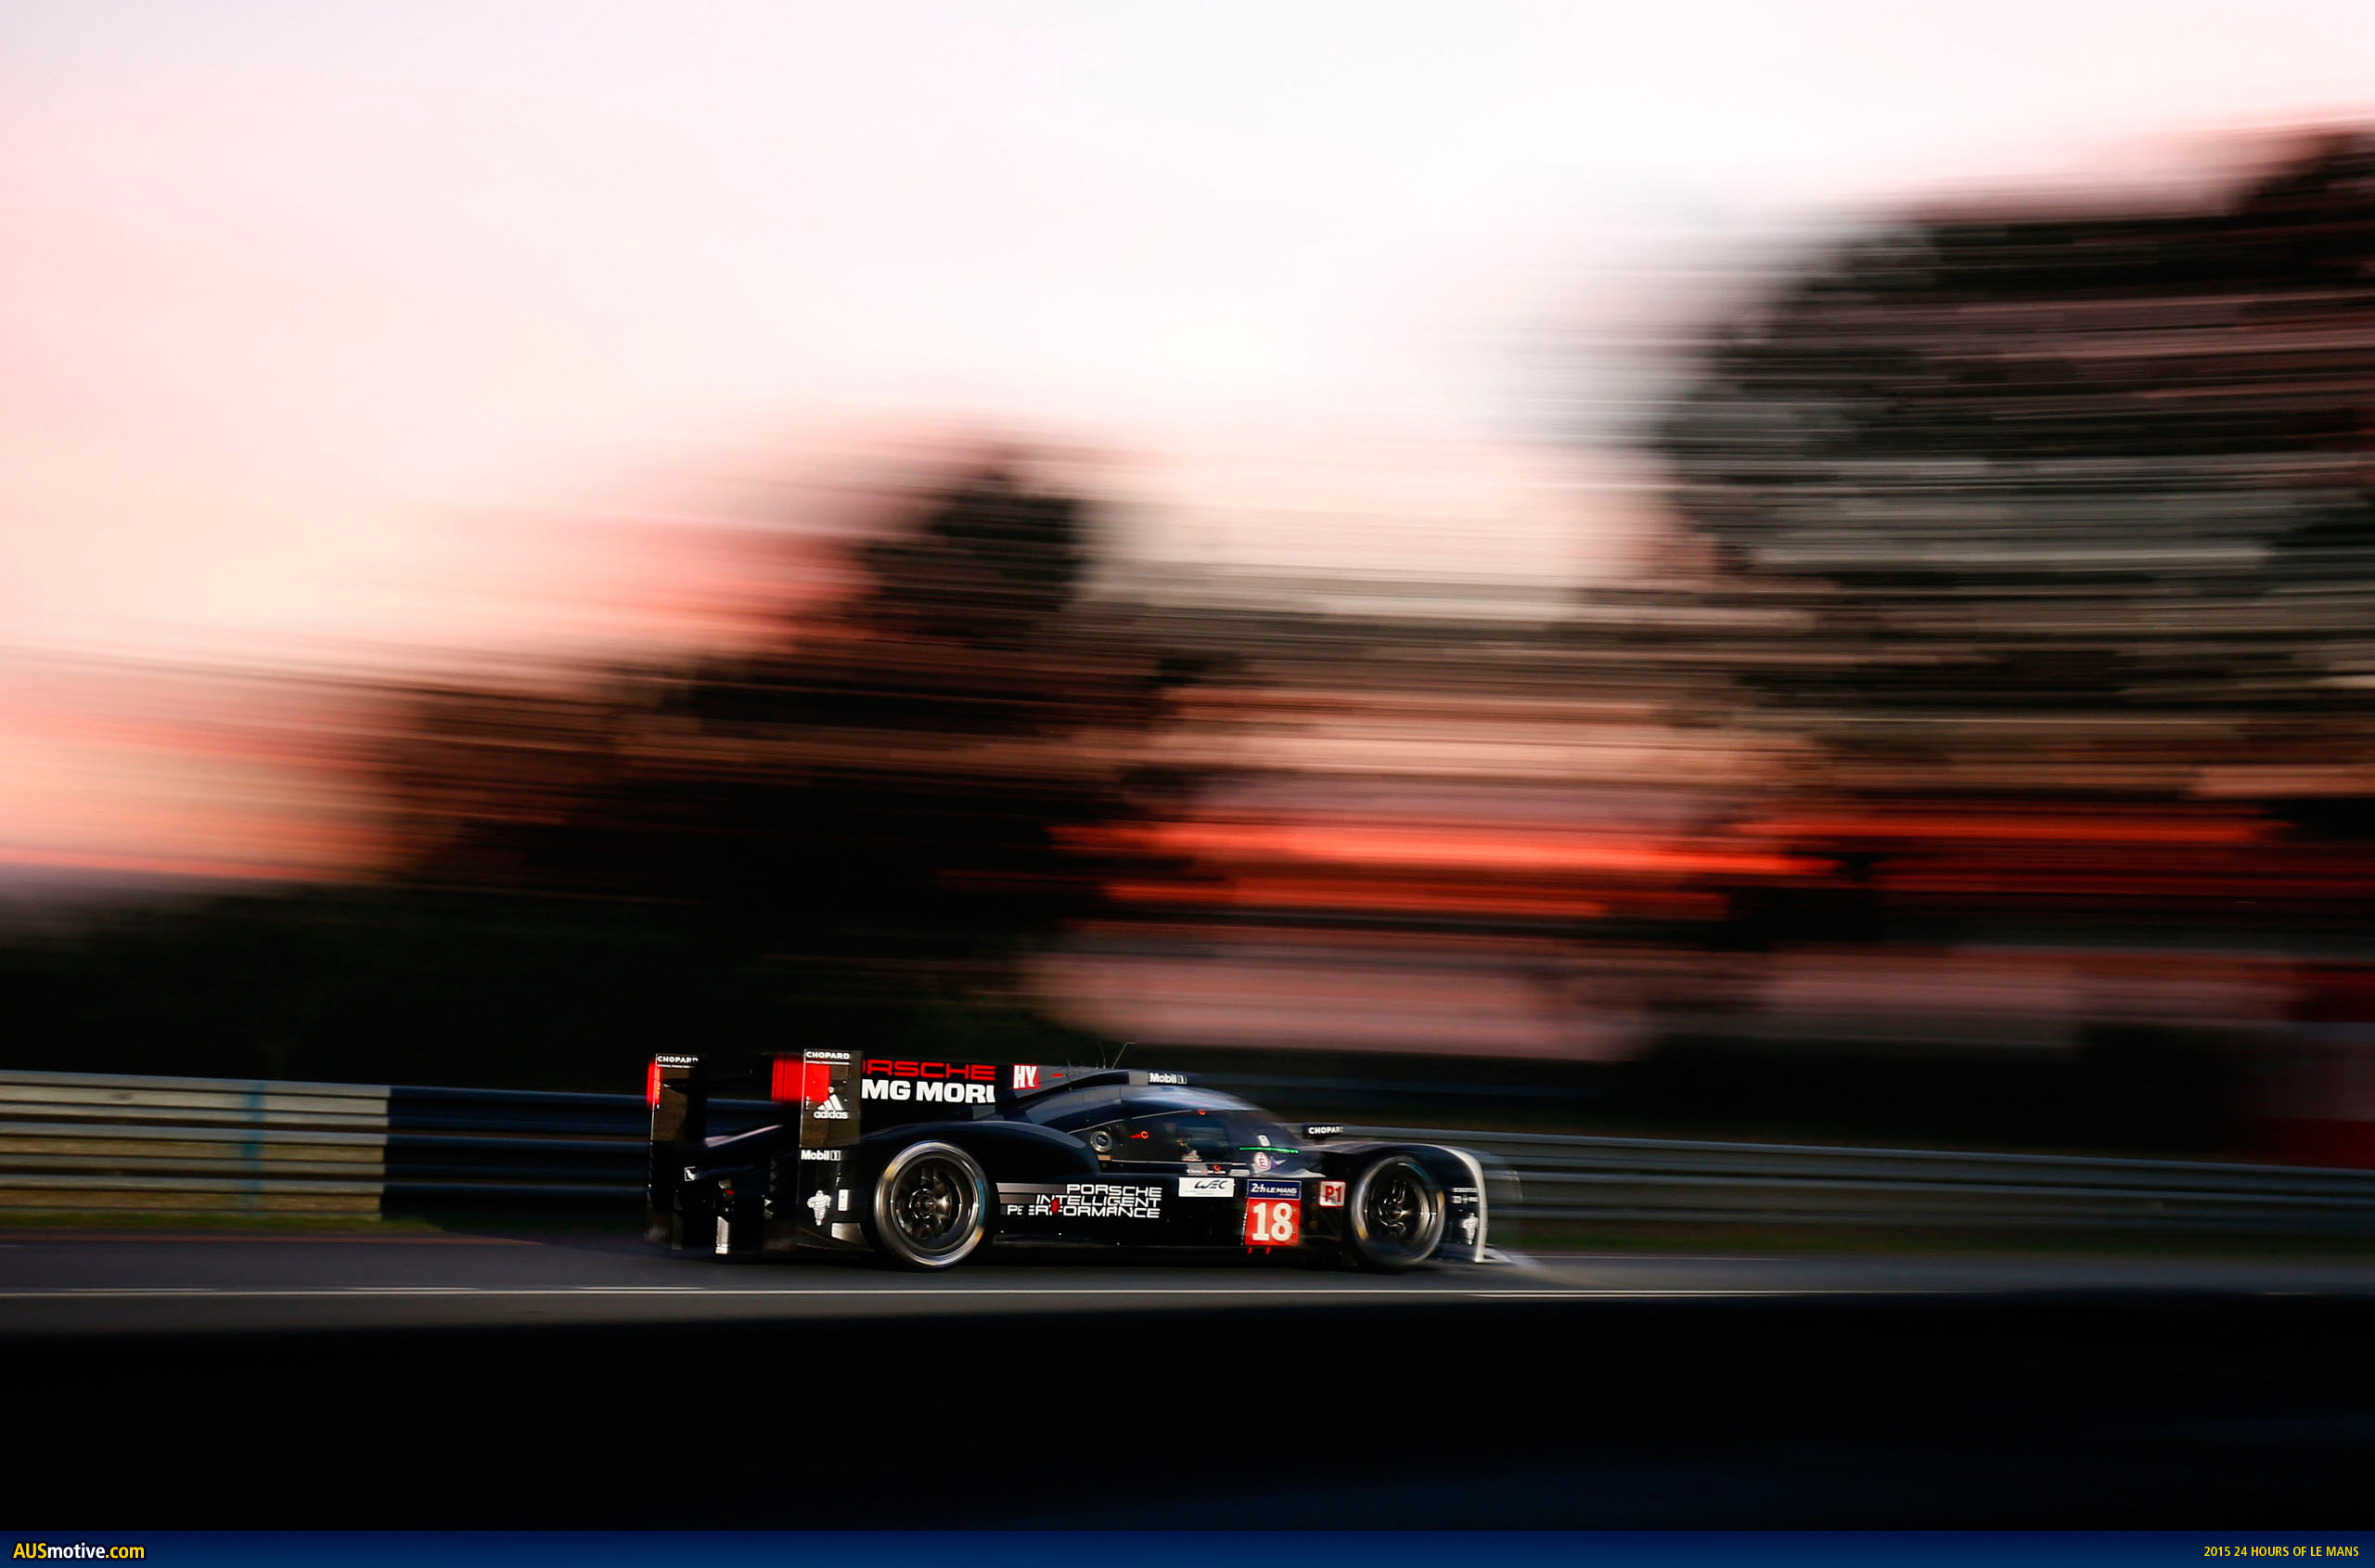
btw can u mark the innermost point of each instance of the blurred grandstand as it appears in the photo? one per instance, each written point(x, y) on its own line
point(2025, 710)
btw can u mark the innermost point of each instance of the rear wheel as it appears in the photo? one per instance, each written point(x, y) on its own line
point(931, 1207)
point(1395, 1215)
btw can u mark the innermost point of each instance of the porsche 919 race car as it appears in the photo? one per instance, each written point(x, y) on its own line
point(925, 1164)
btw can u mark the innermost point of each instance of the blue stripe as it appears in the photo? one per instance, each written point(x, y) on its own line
point(1229, 1550)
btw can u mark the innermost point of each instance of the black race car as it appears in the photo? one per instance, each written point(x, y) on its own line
point(924, 1163)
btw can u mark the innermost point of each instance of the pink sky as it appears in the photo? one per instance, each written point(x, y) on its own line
point(352, 333)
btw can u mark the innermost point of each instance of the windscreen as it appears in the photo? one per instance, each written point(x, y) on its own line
point(1204, 1128)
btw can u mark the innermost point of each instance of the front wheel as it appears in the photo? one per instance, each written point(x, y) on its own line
point(1397, 1214)
point(931, 1207)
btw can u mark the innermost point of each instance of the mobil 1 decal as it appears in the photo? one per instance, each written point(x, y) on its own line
point(1273, 1214)
point(817, 1188)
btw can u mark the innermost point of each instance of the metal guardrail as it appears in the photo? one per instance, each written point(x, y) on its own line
point(84, 1144)
point(75, 1144)
point(1629, 1179)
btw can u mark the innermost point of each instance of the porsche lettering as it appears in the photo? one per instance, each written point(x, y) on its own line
point(1084, 1200)
point(974, 1073)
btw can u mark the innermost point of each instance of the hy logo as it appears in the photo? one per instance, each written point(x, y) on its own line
point(820, 1201)
point(1026, 1077)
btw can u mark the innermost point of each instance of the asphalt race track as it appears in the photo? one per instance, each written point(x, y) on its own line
point(580, 1380)
point(227, 1282)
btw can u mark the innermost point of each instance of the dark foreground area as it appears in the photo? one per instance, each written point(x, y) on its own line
point(1458, 1406)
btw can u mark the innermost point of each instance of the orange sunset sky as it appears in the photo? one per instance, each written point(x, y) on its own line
point(360, 338)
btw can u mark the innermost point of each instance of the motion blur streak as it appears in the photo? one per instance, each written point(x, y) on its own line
point(1983, 749)
point(2075, 510)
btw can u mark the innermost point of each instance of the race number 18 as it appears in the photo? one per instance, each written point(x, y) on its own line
point(1272, 1222)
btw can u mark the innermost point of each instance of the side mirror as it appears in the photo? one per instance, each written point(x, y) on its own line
point(1323, 1129)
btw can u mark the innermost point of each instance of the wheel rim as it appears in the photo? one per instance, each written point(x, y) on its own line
point(1398, 1212)
point(932, 1204)
point(1397, 1208)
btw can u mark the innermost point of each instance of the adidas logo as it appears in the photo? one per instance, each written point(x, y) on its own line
point(832, 1109)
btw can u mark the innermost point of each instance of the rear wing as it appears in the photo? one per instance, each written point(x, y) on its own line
point(834, 1096)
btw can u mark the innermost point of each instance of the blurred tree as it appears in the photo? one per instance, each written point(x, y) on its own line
point(849, 833)
point(2073, 511)
point(889, 783)
point(2078, 501)
point(2027, 462)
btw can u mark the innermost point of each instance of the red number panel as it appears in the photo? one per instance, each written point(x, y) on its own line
point(1273, 1222)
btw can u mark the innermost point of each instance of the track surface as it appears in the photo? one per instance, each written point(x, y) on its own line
point(231, 1282)
point(578, 1380)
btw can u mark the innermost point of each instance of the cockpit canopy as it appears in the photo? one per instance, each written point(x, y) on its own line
point(1179, 1127)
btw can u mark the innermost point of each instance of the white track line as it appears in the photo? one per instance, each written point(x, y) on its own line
point(696, 1293)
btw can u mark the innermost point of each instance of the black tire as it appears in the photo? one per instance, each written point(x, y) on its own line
point(1394, 1215)
point(931, 1208)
